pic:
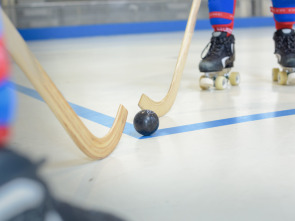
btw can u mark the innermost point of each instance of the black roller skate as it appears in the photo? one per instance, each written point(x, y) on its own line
point(217, 63)
point(285, 52)
point(25, 197)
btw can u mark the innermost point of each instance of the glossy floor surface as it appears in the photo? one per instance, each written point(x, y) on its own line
point(218, 155)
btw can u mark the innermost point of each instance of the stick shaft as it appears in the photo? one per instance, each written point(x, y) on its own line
point(90, 145)
point(162, 107)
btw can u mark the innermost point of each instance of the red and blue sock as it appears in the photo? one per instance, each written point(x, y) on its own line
point(284, 13)
point(221, 15)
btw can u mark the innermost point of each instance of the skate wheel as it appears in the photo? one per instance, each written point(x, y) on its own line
point(205, 83)
point(220, 83)
point(234, 78)
point(275, 73)
point(291, 78)
point(282, 78)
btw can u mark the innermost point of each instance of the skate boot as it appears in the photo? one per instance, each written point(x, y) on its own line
point(285, 52)
point(217, 63)
point(25, 197)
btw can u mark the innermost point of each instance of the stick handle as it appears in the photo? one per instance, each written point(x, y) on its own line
point(89, 144)
point(37, 76)
point(162, 107)
point(189, 31)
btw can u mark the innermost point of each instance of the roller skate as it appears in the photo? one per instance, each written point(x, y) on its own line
point(217, 63)
point(24, 196)
point(285, 51)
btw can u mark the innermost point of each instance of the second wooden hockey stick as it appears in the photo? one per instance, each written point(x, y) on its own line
point(162, 107)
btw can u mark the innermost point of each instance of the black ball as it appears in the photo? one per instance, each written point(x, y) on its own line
point(146, 122)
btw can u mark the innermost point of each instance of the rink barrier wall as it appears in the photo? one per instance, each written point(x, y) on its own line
point(31, 34)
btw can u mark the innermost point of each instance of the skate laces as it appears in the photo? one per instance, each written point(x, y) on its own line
point(216, 44)
point(286, 43)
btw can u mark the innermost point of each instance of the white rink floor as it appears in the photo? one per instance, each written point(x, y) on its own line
point(239, 171)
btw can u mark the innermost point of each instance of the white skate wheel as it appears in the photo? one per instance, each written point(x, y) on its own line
point(282, 78)
point(275, 73)
point(206, 83)
point(291, 78)
point(220, 83)
point(234, 78)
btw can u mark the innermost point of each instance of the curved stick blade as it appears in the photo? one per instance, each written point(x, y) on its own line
point(162, 107)
point(99, 148)
point(96, 148)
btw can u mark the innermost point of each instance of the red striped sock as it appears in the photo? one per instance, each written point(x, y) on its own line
point(4, 135)
point(284, 25)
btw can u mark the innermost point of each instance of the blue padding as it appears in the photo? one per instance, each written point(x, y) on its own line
point(7, 103)
point(101, 30)
point(220, 21)
point(131, 28)
point(226, 6)
point(283, 3)
point(285, 17)
point(221, 6)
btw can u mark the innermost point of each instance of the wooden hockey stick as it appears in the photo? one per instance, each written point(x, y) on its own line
point(162, 107)
point(96, 148)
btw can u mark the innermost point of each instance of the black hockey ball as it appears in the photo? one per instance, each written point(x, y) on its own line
point(146, 122)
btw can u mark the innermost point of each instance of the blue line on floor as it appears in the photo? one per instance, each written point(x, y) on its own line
point(222, 122)
point(88, 114)
point(107, 121)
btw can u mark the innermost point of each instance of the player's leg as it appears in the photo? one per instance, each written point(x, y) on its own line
point(7, 95)
point(284, 38)
point(219, 53)
point(284, 13)
point(221, 14)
